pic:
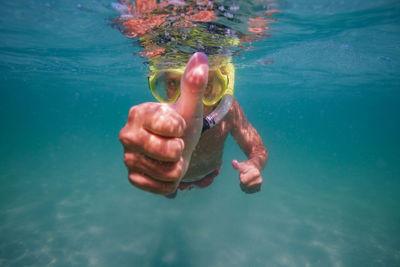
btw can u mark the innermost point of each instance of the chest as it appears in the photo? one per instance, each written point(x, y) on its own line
point(214, 138)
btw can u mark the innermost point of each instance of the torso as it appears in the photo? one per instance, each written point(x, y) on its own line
point(207, 156)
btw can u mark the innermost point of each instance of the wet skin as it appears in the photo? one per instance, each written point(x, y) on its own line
point(162, 143)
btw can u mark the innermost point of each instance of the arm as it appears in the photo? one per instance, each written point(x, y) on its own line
point(251, 144)
point(159, 139)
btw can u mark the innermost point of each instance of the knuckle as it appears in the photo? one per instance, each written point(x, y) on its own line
point(255, 184)
point(181, 145)
point(174, 118)
point(255, 172)
point(162, 108)
point(137, 180)
point(134, 110)
point(175, 148)
point(180, 124)
point(133, 179)
point(244, 178)
point(137, 112)
point(129, 159)
point(123, 136)
point(161, 149)
point(132, 114)
point(176, 172)
point(128, 136)
point(151, 144)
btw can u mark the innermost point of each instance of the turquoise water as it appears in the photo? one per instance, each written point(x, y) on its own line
point(327, 109)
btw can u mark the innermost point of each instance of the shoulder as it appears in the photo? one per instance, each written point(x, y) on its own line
point(233, 115)
point(237, 119)
point(235, 107)
point(235, 110)
point(235, 104)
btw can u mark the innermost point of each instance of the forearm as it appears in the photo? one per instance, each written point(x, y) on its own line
point(248, 138)
point(258, 157)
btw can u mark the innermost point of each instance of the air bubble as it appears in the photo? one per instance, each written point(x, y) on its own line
point(228, 15)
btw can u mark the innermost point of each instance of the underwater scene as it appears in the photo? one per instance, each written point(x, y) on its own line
point(319, 84)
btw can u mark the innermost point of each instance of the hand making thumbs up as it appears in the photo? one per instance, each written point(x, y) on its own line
point(159, 139)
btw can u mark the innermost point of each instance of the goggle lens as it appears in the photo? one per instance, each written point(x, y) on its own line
point(165, 87)
point(214, 90)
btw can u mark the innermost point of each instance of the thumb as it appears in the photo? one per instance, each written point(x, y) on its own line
point(193, 84)
point(238, 166)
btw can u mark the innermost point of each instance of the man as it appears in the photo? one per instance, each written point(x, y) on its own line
point(175, 145)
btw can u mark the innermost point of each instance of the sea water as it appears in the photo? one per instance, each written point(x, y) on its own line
point(323, 92)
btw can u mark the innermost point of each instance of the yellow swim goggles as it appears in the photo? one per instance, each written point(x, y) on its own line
point(165, 85)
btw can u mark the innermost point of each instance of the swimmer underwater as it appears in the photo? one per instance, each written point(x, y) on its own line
point(177, 144)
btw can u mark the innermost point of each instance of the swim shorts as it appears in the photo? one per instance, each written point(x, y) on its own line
point(202, 183)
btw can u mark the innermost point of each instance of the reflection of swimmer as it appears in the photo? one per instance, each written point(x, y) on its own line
point(150, 21)
point(178, 143)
